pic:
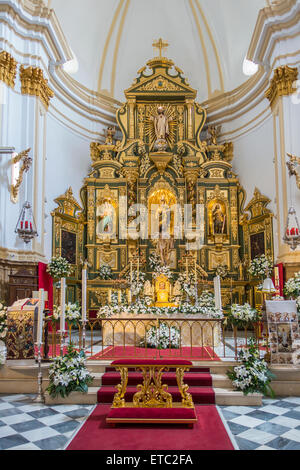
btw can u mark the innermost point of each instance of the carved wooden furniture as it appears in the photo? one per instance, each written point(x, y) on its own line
point(152, 403)
point(22, 282)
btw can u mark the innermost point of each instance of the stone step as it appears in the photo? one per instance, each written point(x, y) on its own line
point(222, 396)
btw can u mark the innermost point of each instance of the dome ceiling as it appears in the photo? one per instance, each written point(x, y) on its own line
point(112, 39)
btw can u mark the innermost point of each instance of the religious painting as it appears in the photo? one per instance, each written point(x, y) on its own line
point(68, 246)
point(257, 244)
point(107, 216)
point(217, 215)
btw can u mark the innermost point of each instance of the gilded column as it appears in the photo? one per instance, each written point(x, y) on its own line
point(131, 106)
point(190, 130)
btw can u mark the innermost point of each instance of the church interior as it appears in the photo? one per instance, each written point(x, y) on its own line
point(149, 225)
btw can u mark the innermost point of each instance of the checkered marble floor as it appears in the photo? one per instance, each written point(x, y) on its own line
point(25, 425)
point(273, 426)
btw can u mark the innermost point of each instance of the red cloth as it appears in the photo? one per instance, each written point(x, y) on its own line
point(46, 283)
point(131, 352)
point(208, 433)
point(281, 278)
point(152, 362)
point(152, 413)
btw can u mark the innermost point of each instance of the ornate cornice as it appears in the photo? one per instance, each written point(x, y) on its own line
point(8, 69)
point(33, 83)
point(282, 83)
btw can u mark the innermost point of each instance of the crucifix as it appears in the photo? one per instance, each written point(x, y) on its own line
point(160, 45)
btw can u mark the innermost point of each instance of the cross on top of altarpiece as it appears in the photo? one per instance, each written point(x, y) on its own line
point(161, 45)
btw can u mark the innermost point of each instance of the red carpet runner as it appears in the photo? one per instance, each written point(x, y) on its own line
point(208, 433)
point(199, 381)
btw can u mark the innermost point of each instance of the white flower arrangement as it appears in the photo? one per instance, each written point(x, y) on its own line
point(158, 267)
point(137, 281)
point(292, 286)
point(3, 319)
point(222, 271)
point(261, 266)
point(162, 337)
point(68, 374)
point(242, 315)
point(206, 299)
point(105, 272)
point(72, 313)
point(140, 307)
point(253, 375)
point(59, 268)
point(2, 356)
point(188, 283)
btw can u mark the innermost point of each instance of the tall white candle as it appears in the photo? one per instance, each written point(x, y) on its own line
point(84, 286)
point(62, 304)
point(218, 296)
point(40, 316)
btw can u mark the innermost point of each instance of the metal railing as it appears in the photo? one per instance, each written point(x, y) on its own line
point(111, 338)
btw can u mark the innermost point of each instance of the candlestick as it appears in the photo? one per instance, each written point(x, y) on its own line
point(109, 296)
point(129, 296)
point(119, 296)
point(84, 286)
point(131, 274)
point(40, 316)
point(138, 269)
point(187, 267)
point(62, 313)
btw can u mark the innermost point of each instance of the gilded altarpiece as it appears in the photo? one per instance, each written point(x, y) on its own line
point(68, 240)
point(161, 154)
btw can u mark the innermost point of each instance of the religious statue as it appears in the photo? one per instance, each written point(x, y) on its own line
point(161, 123)
point(148, 289)
point(165, 242)
point(219, 219)
point(177, 291)
point(214, 133)
point(110, 133)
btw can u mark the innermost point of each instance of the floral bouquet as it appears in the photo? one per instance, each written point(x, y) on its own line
point(206, 299)
point(59, 268)
point(137, 281)
point(253, 375)
point(222, 271)
point(242, 315)
point(188, 283)
point(162, 337)
point(72, 313)
point(3, 318)
point(158, 267)
point(105, 272)
point(261, 266)
point(292, 286)
point(68, 374)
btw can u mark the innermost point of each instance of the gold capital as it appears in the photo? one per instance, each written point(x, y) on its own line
point(282, 83)
point(33, 83)
point(8, 69)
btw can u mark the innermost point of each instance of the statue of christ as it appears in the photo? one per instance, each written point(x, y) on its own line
point(161, 124)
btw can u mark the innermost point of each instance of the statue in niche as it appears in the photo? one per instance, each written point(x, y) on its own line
point(219, 219)
point(165, 242)
point(161, 123)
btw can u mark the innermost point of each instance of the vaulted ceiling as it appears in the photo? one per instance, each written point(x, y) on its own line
point(112, 39)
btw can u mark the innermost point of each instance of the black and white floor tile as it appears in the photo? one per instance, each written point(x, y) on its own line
point(273, 426)
point(25, 425)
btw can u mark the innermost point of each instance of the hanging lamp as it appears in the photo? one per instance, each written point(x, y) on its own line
point(26, 227)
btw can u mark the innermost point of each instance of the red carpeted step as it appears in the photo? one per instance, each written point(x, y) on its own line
point(192, 370)
point(201, 395)
point(169, 378)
